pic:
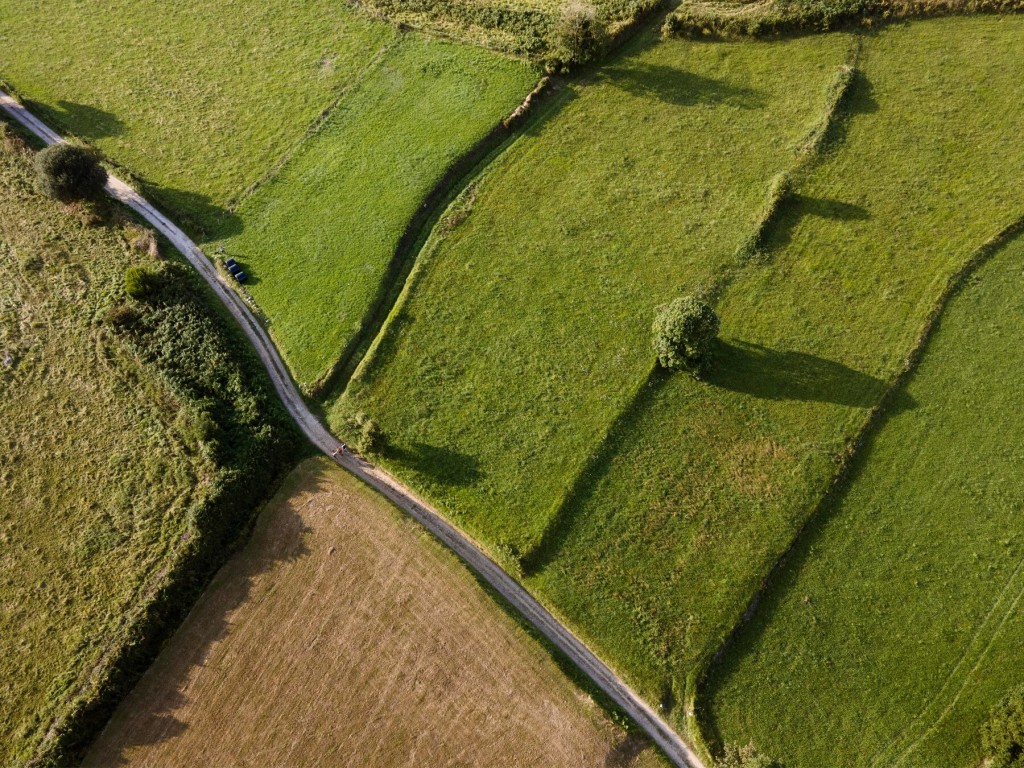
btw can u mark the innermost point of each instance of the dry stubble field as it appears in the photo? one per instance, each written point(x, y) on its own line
point(343, 635)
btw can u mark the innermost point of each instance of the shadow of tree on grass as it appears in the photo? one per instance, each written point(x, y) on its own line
point(677, 86)
point(773, 374)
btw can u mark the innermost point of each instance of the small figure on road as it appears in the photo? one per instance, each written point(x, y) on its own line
point(341, 450)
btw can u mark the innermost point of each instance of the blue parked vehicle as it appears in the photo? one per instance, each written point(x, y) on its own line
point(240, 276)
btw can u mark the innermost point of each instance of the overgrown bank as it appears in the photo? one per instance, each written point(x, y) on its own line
point(147, 427)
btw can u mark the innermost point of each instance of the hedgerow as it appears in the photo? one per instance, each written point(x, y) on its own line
point(727, 20)
point(233, 413)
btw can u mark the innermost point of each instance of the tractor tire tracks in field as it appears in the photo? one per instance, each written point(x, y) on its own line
point(677, 751)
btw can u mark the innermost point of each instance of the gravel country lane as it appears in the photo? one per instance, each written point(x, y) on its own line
point(465, 548)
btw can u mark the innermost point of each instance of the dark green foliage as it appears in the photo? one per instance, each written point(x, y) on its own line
point(121, 316)
point(579, 35)
point(788, 16)
point(140, 281)
point(1002, 737)
point(67, 172)
point(365, 434)
point(683, 333)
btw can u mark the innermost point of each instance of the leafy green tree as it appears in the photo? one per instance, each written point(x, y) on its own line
point(683, 332)
point(67, 172)
point(579, 34)
point(744, 757)
point(1002, 737)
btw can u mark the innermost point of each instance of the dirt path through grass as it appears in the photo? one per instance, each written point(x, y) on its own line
point(565, 641)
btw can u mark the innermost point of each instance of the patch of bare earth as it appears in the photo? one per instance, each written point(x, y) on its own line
point(344, 636)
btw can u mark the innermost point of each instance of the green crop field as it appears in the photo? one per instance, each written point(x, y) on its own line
point(318, 238)
point(528, 325)
point(897, 624)
point(110, 484)
point(693, 488)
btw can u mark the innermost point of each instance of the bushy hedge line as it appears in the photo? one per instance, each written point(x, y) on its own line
point(711, 20)
point(233, 414)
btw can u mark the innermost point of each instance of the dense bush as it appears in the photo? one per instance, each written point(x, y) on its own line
point(140, 281)
point(67, 172)
point(579, 35)
point(364, 433)
point(744, 757)
point(683, 333)
point(1002, 737)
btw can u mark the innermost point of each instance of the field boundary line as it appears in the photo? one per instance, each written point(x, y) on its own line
point(414, 237)
point(466, 549)
point(853, 452)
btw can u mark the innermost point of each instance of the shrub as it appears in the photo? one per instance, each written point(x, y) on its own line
point(1002, 737)
point(66, 172)
point(364, 433)
point(121, 316)
point(579, 35)
point(140, 282)
point(683, 333)
point(744, 757)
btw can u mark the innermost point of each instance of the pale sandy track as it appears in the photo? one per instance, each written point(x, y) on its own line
point(465, 548)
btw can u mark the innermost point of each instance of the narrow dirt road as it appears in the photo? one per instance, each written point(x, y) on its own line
point(465, 548)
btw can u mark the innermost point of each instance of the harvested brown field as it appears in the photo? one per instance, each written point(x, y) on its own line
point(343, 635)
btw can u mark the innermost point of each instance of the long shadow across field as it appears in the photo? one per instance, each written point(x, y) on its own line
point(82, 120)
point(677, 86)
point(232, 587)
point(751, 369)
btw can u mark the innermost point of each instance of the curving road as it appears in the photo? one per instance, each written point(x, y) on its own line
point(467, 550)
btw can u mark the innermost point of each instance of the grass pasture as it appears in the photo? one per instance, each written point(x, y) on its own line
point(705, 483)
point(320, 235)
point(302, 138)
point(897, 623)
point(133, 454)
point(693, 489)
point(198, 100)
point(645, 183)
point(343, 622)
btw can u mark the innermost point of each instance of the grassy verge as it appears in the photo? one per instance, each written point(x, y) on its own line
point(129, 465)
point(709, 481)
point(922, 635)
point(746, 18)
point(320, 236)
point(646, 181)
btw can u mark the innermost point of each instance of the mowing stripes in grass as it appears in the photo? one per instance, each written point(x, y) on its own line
point(529, 325)
point(714, 478)
point(897, 623)
point(318, 238)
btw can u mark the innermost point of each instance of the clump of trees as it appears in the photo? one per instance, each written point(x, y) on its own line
point(67, 172)
point(363, 431)
point(1002, 737)
point(579, 37)
point(684, 331)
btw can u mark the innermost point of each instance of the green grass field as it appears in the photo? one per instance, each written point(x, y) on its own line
point(199, 100)
point(706, 483)
point(495, 403)
point(129, 465)
point(897, 623)
point(220, 111)
point(528, 325)
point(95, 481)
point(318, 238)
